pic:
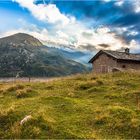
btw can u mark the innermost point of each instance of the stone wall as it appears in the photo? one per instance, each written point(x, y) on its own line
point(129, 65)
point(104, 64)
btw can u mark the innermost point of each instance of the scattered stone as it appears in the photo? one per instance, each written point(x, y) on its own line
point(25, 119)
point(71, 94)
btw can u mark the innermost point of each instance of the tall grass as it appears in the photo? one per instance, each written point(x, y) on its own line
point(84, 106)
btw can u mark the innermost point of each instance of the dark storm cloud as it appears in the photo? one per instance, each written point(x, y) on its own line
point(104, 45)
point(88, 47)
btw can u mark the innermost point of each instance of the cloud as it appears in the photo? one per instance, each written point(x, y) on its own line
point(103, 35)
point(104, 45)
point(77, 36)
point(106, 0)
point(47, 13)
point(66, 30)
point(136, 5)
point(134, 45)
point(128, 31)
point(133, 33)
point(119, 3)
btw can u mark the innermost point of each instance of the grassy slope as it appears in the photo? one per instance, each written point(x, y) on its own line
point(83, 106)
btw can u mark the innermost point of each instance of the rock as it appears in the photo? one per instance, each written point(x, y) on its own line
point(71, 94)
point(25, 119)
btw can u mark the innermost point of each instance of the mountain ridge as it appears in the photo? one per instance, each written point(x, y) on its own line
point(25, 55)
point(19, 39)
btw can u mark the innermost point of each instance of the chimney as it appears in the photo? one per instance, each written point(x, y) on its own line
point(127, 50)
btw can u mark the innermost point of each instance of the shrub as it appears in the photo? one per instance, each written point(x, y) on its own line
point(101, 119)
point(29, 90)
point(96, 89)
point(50, 87)
point(34, 127)
point(26, 92)
point(1, 90)
point(15, 130)
point(99, 82)
point(120, 121)
point(14, 88)
point(117, 120)
point(112, 96)
point(21, 93)
point(80, 78)
point(7, 119)
point(86, 86)
point(93, 78)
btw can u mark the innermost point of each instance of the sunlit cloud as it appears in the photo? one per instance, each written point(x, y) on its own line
point(47, 13)
point(136, 5)
point(119, 2)
point(88, 39)
point(69, 31)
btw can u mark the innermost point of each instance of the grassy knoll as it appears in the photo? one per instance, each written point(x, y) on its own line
point(82, 106)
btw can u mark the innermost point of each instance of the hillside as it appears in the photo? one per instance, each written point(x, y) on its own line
point(25, 55)
point(76, 55)
point(82, 106)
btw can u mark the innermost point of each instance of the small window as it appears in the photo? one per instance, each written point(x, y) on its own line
point(123, 66)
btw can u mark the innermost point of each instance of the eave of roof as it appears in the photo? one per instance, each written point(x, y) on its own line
point(94, 57)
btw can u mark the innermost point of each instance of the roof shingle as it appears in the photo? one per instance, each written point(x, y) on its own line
point(118, 55)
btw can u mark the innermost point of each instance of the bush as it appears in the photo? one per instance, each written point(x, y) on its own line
point(21, 94)
point(14, 88)
point(29, 90)
point(101, 119)
point(15, 131)
point(34, 127)
point(120, 112)
point(5, 115)
point(112, 96)
point(96, 89)
point(24, 93)
point(99, 82)
point(8, 118)
point(86, 86)
point(2, 91)
point(93, 78)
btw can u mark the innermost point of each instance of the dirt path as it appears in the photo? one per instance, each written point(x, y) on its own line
point(25, 79)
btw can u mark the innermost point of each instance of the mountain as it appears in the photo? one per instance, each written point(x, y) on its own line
point(21, 39)
point(25, 55)
point(76, 55)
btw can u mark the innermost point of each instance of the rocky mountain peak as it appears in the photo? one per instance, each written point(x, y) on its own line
point(21, 39)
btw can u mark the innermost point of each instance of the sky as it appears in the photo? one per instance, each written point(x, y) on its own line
point(78, 24)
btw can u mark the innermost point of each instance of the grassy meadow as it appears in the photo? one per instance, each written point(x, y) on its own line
point(81, 106)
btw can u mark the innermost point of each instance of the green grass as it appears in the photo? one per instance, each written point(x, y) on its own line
point(81, 106)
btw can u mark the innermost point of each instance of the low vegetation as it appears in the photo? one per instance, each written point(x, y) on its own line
point(81, 106)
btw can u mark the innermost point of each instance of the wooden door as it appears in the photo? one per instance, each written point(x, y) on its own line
point(104, 69)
